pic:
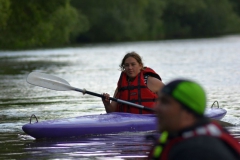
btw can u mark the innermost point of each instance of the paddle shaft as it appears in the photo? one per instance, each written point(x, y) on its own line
point(59, 84)
point(222, 123)
point(114, 99)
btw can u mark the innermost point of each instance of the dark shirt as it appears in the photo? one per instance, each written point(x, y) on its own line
point(201, 147)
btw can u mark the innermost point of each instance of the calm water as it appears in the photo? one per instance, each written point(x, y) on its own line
point(214, 63)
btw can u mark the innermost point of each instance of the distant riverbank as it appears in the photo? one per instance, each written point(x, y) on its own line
point(51, 23)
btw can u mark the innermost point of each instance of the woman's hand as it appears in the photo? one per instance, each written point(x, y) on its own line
point(109, 107)
point(105, 99)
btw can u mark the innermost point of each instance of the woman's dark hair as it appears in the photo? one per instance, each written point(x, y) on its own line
point(133, 55)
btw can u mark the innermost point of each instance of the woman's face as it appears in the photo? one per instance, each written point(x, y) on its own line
point(132, 67)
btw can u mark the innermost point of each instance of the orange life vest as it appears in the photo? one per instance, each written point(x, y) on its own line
point(136, 92)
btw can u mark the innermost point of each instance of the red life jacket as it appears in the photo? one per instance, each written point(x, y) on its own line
point(212, 129)
point(136, 92)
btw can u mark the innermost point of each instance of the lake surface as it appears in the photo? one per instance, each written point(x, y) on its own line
point(214, 63)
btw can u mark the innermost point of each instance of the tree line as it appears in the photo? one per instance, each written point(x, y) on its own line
point(52, 23)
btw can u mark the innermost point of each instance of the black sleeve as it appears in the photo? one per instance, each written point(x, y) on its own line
point(201, 148)
point(155, 76)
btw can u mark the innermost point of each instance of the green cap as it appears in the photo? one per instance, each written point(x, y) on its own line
point(190, 94)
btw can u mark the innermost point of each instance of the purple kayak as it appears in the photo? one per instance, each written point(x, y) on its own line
point(101, 124)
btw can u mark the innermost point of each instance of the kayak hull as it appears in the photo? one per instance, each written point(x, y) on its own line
point(115, 122)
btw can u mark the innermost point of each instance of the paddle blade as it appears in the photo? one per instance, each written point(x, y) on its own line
point(48, 81)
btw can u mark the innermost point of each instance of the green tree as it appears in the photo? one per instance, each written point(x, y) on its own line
point(48, 23)
point(40, 23)
point(121, 20)
point(236, 6)
point(153, 15)
point(4, 13)
point(187, 18)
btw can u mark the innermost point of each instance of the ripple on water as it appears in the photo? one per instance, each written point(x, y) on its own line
point(212, 62)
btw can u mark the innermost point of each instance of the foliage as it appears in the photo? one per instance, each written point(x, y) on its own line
point(39, 23)
point(187, 18)
point(4, 13)
point(120, 20)
point(49, 23)
point(153, 15)
point(236, 6)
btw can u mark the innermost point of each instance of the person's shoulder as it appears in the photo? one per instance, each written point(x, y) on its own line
point(151, 78)
point(151, 73)
point(201, 147)
point(154, 81)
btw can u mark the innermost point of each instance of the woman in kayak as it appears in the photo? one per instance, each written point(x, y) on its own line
point(137, 84)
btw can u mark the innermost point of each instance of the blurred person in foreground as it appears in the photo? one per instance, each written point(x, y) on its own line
point(186, 134)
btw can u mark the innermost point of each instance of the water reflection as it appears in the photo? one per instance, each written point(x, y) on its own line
point(125, 145)
point(212, 62)
point(14, 66)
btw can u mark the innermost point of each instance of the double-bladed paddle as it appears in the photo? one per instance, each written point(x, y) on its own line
point(59, 84)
